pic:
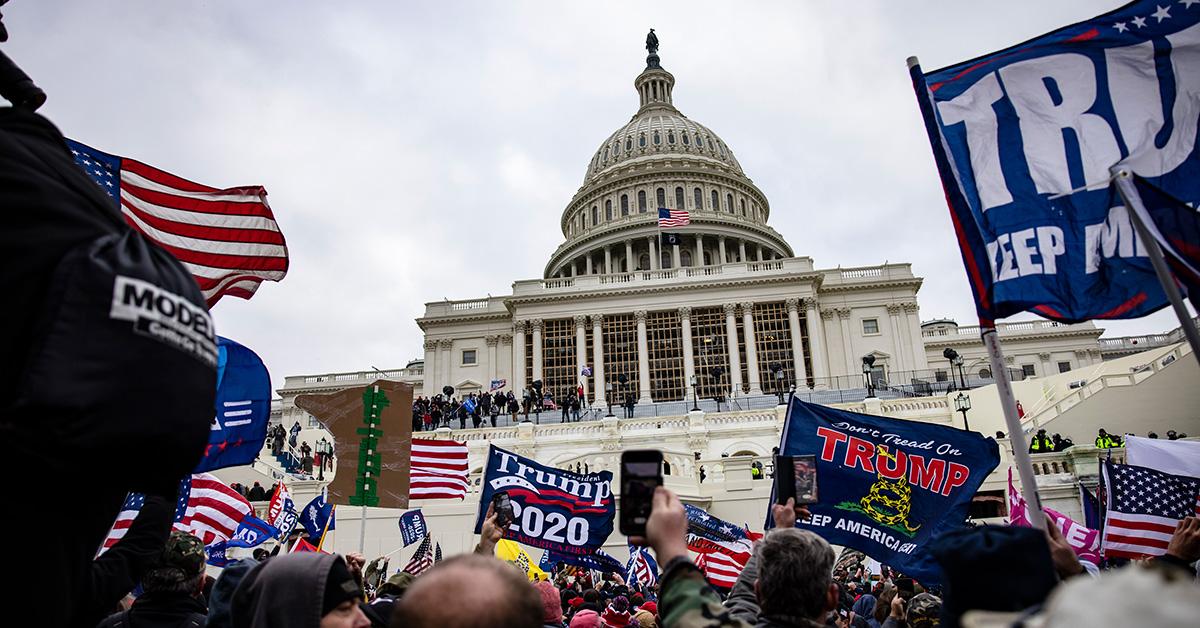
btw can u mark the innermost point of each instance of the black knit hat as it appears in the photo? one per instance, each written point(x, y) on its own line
point(993, 568)
point(339, 587)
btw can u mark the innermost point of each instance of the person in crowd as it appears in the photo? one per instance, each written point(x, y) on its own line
point(514, 406)
point(1060, 443)
point(552, 608)
point(617, 613)
point(302, 589)
point(418, 411)
point(1152, 435)
point(864, 608)
point(1171, 435)
point(575, 401)
point(883, 606)
point(306, 459)
point(172, 588)
point(257, 493)
point(461, 413)
point(277, 436)
point(1040, 443)
point(294, 434)
point(630, 402)
point(1104, 440)
point(495, 410)
point(999, 434)
point(566, 410)
point(484, 591)
point(526, 401)
point(922, 611)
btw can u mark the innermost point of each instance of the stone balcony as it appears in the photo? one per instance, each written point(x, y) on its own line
point(1021, 328)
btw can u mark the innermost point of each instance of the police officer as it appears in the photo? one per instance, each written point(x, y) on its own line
point(1107, 441)
point(1040, 443)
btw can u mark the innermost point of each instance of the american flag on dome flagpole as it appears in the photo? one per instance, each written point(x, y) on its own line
point(206, 507)
point(423, 559)
point(439, 469)
point(228, 239)
point(1143, 508)
point(668, 218)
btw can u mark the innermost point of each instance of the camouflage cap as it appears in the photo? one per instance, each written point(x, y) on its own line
point(924, 610)
point(184, 552)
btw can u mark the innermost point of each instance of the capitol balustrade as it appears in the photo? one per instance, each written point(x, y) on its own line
point(1005, 329)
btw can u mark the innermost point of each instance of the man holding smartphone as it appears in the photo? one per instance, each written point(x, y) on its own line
point(787, 581)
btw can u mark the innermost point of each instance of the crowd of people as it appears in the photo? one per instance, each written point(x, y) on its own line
point(1019, 575)
point(447, 410)
point(255, 493)
point(1039, 443)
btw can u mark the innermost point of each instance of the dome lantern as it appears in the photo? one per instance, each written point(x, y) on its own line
point(654, 84)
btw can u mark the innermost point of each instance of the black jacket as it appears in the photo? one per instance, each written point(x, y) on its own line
point(160, 610)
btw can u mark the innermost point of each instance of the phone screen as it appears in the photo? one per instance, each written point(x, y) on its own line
point(641, 473)
point(805, 468)
point(503, 508)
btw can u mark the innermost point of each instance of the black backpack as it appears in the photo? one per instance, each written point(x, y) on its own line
point(107, 346)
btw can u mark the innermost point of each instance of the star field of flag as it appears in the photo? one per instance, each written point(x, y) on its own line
point(1141, 491)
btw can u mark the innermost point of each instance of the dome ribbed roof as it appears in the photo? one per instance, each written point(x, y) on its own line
point(660, 132)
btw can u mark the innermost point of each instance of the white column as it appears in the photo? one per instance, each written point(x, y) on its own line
point(675, 256)
point(598, 355)
point(751, 349)
point(735, 362)
point(1044, 357)
point(654, 257)
point(847, 348)
point(629, 261)
point(816, 342)
point(587, 264)
point(689, 361)
point(762, 253)
point(899, 346)
point(518, 378)
point(536, 325)
point(699, 259)
point(793, 310)
point(912, 325)
point(608, 269)
point(643, 358)
point(491, 341)
point(445, 360)
point(431, 373)
point(721, 249)
point(581, 353)
point(741, 250)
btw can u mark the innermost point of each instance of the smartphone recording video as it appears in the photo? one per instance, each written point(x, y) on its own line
point(502, 506)
point(796, 478)
point(641, 473)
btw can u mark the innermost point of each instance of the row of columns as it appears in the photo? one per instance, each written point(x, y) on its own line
point(814, 333)
point(652, 248)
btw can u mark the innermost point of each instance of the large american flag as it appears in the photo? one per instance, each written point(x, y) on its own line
point(723, 565)
point(207, 508)
point(1143, 508)
point(672, 218)
point(439, 469)
point(228, 239)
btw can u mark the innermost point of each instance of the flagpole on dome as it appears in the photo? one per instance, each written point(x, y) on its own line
point(1133, 200)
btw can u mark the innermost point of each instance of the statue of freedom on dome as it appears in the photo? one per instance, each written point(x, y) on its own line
point(652, 42)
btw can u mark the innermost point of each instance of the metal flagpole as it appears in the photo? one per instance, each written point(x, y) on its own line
point(1016, 436)
point(1137, 210)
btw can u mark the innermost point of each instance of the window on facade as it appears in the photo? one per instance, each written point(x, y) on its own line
point(641, 201)
point(663, 332)
point(670, 137)
point(621, 355)
point(699, 141)
point(716, 201)
point(605, 154)
point(685, 258)
point(628, 144)
point(657, 138)
point(642, 140)
point(773, 341)
point(558, 357)
point(698, 199)
point(710, 351)
point(595, 215)
point(729, 203)
point(661, 196)
point(624, 204)
point(469, 357)
point(940, 375)
point(1063, 367)
point(684, 137)
point(870, 326)
point(1027, 370)
point(644, 262)
point(608, 210)
point(678, 198)
point(664, 260)
point(743, 202)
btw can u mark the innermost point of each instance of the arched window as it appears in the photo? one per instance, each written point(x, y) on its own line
point(642, 140)
point(698, 199)
point(657, 138)
point(716, 201)
point(670, 137)
point(661, 197)
point(628, 144)
point(678, 198)
point(624, 204)
point(743, 202)
point(684, 137)
point(605, 154)
point(664, 260)
point(729, 203)
point(707, 258)
point(641, 201)
point(699, 142)
point(721, 150)
point(685, 258)
point(608, 209)
point(644, 262)
point(595, 215)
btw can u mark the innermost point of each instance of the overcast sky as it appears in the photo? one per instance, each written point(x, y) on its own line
point(415, 151)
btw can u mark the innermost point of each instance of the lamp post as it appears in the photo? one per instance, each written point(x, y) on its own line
point(608, 397)
point(695, 401)
point(955, 360)
point(962, 403)
point(868, 361)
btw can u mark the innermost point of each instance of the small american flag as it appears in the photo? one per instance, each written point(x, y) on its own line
point(1143, 509)
point(642, 569)
point(439, 469)
point(228, 239)
point(206, 508)
point(423, 559)
point(672, 218)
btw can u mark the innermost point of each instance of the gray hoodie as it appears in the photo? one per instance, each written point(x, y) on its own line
point(284, 592)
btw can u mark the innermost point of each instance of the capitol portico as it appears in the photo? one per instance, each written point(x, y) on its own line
point(724, 302)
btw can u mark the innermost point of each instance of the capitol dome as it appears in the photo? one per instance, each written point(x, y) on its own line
point(663, 159)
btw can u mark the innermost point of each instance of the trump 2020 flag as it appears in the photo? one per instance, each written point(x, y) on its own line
point(569, 513)
point(251, 532)
point(1024, 140)
point(412, 527)
point(887, 486)
point(243, 406)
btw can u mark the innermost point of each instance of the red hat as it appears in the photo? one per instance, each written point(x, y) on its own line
point(650, 606)
point(575, 602)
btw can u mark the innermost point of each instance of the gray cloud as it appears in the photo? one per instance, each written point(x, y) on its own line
point(421, 150)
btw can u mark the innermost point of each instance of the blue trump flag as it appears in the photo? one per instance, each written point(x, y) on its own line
point(412, 527)
point(567, 512)
point(1024, 140)
point(887, 487)
point(317, 515)
point(1176, 228)
point(600, 561)
point(251, 532)
point(243, 405)
point(215, 554)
